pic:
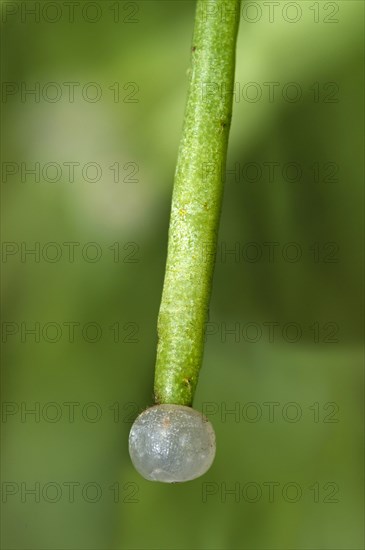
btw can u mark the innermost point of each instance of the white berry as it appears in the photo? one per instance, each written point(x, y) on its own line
point(171, 443)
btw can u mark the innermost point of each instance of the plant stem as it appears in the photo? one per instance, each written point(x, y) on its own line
point(196, 203)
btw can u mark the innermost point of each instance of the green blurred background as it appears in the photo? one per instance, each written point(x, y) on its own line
point(288, 471)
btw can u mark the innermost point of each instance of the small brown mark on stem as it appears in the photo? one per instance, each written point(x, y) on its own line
point(223, 125)
point(187, 382)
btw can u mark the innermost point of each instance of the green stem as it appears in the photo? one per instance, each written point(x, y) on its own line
point(196, 203)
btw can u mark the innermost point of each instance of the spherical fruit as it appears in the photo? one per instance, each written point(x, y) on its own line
point(171, 443)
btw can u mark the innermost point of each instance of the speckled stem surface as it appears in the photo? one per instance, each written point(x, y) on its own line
point(196, 203)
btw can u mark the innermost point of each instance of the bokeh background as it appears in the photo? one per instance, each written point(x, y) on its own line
point(288, 471)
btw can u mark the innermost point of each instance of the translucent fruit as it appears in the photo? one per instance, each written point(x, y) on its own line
point(171, 443)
